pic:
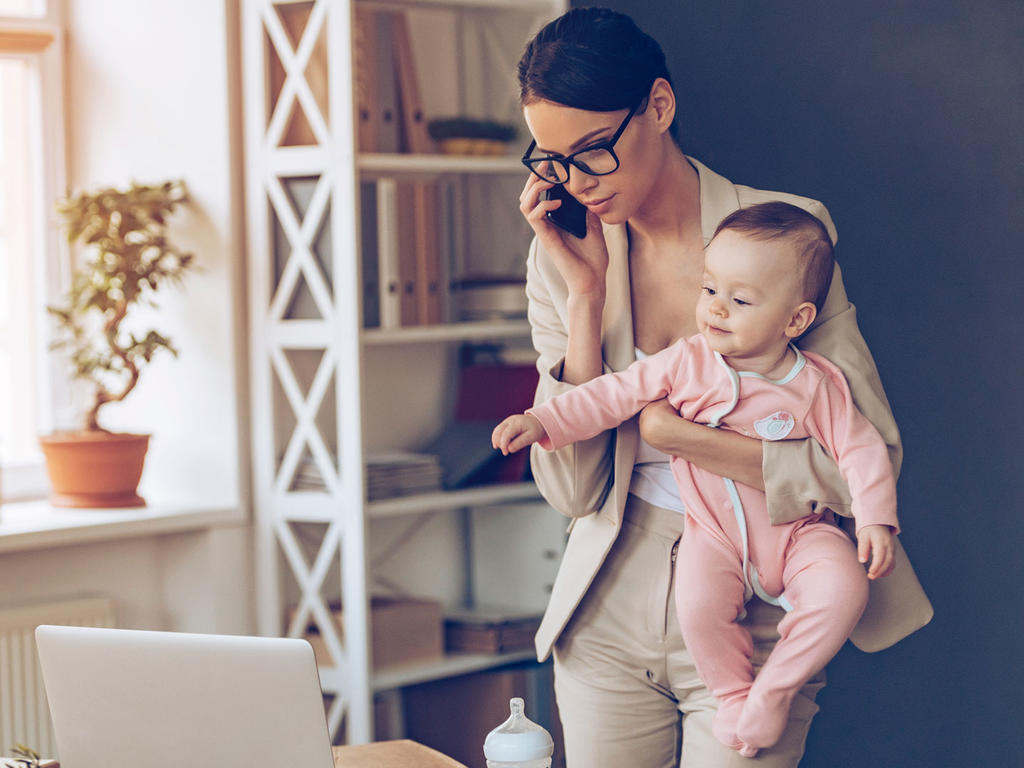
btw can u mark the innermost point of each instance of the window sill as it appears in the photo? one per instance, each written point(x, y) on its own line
point(30, 525)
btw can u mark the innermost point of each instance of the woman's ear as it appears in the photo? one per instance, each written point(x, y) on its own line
point(662, 102)
point(801, 320)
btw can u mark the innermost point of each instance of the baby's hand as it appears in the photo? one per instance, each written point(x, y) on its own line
point(875, 542)
point(517, 432)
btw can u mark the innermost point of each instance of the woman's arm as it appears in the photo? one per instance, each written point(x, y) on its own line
point(566, 333)
point(717, 450)
point(800, 476)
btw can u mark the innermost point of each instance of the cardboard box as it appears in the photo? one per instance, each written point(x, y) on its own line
point(490, 631)
point(392, 754)
point(403, 631)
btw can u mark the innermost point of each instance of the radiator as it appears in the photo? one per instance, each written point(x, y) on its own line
point(24, 713)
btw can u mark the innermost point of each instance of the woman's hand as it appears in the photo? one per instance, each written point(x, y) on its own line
point(582, 263)
point(717, 450)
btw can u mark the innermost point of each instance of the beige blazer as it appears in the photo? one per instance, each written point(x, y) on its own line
point(589, 480)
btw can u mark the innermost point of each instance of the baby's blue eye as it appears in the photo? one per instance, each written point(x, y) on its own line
point(708, 290)
point(741, 302)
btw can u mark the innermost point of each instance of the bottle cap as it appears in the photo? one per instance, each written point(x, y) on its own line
point(518, 738)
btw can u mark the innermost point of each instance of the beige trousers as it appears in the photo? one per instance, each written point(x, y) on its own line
point(627, 690)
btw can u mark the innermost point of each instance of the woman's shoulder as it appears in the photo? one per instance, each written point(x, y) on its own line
point(720, 196)
point(751, 196)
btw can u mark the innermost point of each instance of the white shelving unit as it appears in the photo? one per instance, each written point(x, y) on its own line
point(308, 348)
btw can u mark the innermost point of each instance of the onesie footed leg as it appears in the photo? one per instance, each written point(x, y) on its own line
point(828, 591)
point(764, 718)
point(709, 597)
point(723, 726)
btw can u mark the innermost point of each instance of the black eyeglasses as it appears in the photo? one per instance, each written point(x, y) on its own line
point(596, 160)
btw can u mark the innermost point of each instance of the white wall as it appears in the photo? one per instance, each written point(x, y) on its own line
point(147, 99)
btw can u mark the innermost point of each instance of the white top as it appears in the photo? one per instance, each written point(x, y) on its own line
point(652, 478)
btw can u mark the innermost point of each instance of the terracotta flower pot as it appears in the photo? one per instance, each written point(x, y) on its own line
point(95, 469)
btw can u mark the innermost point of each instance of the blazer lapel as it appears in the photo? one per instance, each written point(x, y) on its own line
point(619, 352)
point(718, 198)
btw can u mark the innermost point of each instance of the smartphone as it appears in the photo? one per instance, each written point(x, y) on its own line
point(571, 215)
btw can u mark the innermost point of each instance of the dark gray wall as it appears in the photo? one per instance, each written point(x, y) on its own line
point(906, 119)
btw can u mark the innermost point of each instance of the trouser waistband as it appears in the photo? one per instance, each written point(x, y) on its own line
point(657, 520)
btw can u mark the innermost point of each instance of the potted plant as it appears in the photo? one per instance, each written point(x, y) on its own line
point(128, 258)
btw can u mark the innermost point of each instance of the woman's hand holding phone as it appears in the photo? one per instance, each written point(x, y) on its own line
point(582, 262)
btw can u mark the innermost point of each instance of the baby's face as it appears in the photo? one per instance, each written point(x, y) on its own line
point(750, 291)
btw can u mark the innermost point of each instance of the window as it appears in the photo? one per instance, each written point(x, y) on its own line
point(31, 178)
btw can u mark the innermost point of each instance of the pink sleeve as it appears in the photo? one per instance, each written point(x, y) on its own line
point(608, 400)
point(857, 447)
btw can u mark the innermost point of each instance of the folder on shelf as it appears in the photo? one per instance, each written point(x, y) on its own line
point(366, 85)
point(405, 255)
point(369, 263)
point(386, 83)
point(413, 126)
point(428, 256)
point(406, 222)
point(386, 255)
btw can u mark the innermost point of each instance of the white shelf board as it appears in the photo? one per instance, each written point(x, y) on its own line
point(500, 329)
point(467, 497)
point(30, 525)
point(372, 165)
point(535, 6)
point(316, 334)
point(451, 665)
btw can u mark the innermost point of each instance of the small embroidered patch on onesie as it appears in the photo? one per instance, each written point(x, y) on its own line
point(776, 426)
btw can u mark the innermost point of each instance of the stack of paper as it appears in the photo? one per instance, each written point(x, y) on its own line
point(399, 473)
point(308, 476)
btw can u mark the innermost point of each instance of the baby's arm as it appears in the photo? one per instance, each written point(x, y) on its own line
point(517, 432)
point(592, 407)
point(863, 460)
point(608, 400)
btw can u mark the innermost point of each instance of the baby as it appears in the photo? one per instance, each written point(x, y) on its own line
point(766, 274)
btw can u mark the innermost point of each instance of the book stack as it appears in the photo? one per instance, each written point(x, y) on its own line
point(400, 473)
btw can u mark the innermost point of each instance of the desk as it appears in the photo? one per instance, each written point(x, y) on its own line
point(402, 753)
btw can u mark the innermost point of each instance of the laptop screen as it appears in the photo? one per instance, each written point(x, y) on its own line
point(168, 699)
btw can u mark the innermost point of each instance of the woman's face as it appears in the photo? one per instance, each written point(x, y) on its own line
point(562, 130)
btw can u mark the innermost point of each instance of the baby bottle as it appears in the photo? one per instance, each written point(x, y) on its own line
point(518, 742)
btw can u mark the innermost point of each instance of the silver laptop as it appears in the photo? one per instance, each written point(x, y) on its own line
point(168, 699)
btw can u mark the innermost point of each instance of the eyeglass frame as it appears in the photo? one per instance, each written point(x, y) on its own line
point(568, 160)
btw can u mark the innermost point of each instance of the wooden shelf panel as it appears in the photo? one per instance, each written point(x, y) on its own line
point(450, 666)
point(372, 165)
point(480, 331)
point(316, 334)
point(534, 6)
point(467, 497)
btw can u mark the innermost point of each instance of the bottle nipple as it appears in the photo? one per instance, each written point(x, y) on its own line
point(518, 741)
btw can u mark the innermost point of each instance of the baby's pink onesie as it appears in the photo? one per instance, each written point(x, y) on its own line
point(809, 566)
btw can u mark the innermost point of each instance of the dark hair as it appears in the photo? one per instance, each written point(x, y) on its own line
point(591, 58)
point(771, 221)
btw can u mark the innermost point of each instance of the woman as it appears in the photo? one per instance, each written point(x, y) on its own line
point(598, 100)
